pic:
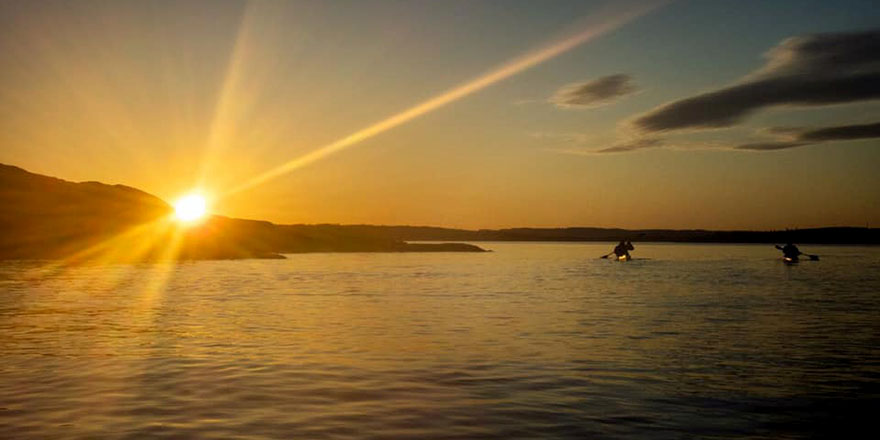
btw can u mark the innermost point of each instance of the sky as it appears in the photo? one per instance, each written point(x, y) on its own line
point(471, 114)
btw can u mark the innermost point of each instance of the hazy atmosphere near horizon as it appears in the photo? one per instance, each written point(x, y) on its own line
point(489, 114)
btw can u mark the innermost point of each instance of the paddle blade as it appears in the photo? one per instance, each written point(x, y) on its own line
point(814, 257)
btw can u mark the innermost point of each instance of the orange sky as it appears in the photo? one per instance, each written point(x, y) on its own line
point(435, 114)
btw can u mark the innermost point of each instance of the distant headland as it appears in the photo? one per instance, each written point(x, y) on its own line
point(827, 235)
point(48, 218)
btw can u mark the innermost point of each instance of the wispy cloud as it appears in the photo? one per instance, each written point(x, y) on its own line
point(563, 138)
point(576, 145)
point(632, 145)
point(809, 70)
point(771, 145)
point(597, 92)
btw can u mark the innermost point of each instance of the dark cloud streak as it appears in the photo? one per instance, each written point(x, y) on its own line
point(816, 136)
point(810, 70)
point(843, 132)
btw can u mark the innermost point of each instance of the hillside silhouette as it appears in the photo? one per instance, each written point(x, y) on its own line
point(45, 217)
point(49, 218)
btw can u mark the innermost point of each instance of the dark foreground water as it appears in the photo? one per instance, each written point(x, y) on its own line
point(530, 341)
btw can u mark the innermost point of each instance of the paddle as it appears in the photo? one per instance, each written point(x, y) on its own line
point(606, 255)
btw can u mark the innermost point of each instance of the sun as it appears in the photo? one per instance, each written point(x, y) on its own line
point(190, 208)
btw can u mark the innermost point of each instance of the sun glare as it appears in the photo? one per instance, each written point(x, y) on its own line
point(190, 208)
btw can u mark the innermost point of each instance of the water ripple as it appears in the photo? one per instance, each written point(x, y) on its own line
point(531, 341)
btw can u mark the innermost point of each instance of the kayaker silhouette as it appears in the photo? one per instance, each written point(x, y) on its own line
point(622, 250)
point(791, 253)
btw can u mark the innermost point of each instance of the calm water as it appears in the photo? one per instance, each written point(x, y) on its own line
point(530, 341)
